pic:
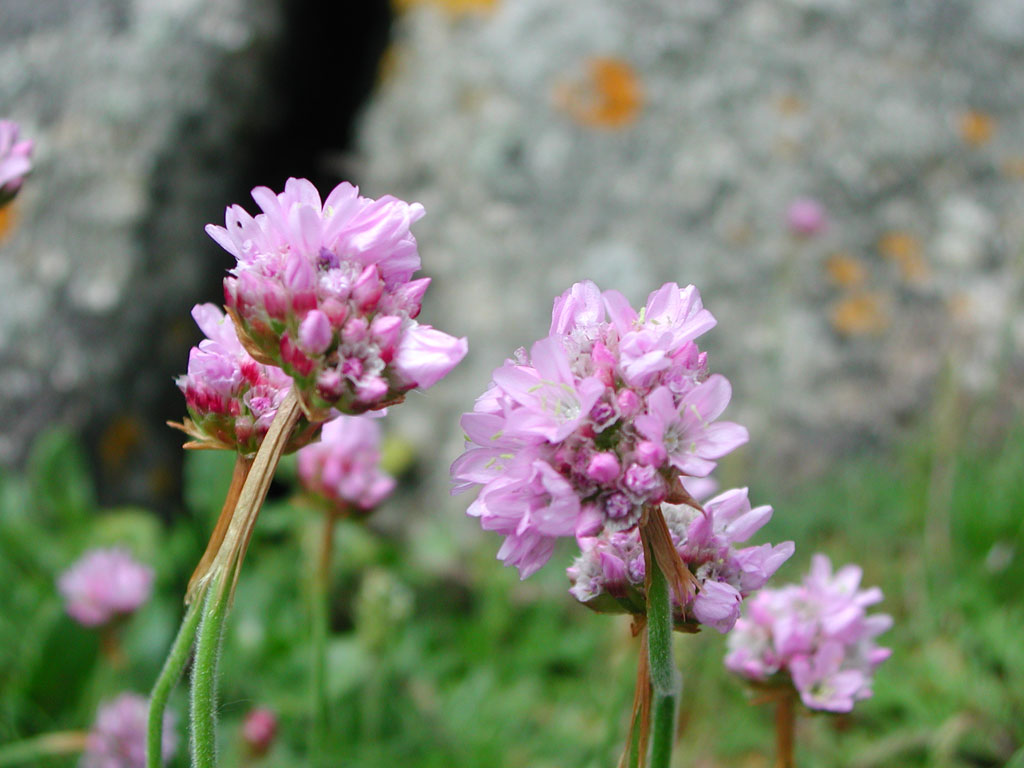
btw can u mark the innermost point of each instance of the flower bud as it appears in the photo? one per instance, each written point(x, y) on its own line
point(259, 730)
point(603, 467)
point(315, 334)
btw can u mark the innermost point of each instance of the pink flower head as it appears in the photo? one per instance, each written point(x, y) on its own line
point(15, 160)
point(806, 217)
point(259, 730)
point(816, 636)
point(118, 736)
point(599, 419)
point(325, 291)
point(609, 574)
point(231, 398)
point(344, 466)
point(104, 584)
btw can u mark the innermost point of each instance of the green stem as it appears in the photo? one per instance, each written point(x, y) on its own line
point(664, 678)
point(30, 751)
point(319, 614)
point(204, 673)
point(169, 676)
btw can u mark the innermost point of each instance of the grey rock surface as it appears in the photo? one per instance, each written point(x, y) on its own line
point(678, 161)
point(140, 110)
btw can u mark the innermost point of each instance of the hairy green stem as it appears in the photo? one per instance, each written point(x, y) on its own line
point(664, 678)
point(169, 676)
point(320, 626)
point(31, 751)
point(204, 674)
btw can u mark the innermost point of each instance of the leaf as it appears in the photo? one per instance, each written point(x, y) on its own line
point(59, 477)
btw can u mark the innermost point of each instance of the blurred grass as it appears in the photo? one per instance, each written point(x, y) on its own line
point(451, 661)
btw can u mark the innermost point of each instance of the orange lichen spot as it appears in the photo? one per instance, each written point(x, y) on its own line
point(160, 481)
point(1014, 167)
point(789, 105)
point(453, 7)
point(845, 271)
point(905, 251)
point(959, 306)
point(118, 441)
point(609, 96)
point(976, 128)
point(861, 313)
point(8, 220)
point(389, 64)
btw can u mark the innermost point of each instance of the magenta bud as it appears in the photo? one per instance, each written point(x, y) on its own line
point(386, 331)
point(336, 311)
point(367, 289)
point(650, 454)
point(614, 572)
point(231, 293)
point(243, 429)
point(294, 358)
point(259, 730)
point(355, 330)
point(371, 390)
point(601, 356)
point(410, 296)
point(315, 333)
point(628, 402)
point(352, 368)
point(603, 467)
point(275, 300)
point(330, 385)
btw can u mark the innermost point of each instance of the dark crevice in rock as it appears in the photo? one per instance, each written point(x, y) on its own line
point(300, 95)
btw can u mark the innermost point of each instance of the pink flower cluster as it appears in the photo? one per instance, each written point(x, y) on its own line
point(344, 466)
point(325, 291)
point(104, 584)
point(118, 736)
point(15, 160)
point(595, 422)
point(231, 398)
point(816, 635)
point(609, 574)
point(806, 217)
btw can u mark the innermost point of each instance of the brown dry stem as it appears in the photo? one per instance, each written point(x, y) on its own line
point(241, 472)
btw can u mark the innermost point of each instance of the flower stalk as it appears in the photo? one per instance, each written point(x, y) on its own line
point(238, 476)
point(320, 629)
point(217, 584)
point(229, 556)
point(204, 672)
point(170, 674)
point(663, 674)
point(785, 728)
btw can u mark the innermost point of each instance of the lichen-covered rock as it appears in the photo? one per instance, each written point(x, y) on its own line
point(142, 112)
point(639, 143)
